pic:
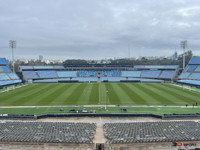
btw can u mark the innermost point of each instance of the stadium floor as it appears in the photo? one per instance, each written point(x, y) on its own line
point(95, 93)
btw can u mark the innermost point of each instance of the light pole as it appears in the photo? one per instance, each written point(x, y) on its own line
point(12, 44)
point(184, 46)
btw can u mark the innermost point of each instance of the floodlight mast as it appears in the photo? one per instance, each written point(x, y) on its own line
point(184, 46)
point(12, 44)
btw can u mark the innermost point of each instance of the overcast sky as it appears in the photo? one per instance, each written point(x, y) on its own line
point(95, 29)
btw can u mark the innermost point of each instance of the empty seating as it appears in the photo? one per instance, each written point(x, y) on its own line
point(191, 68)
point(150, 73)
point(47, 132)
point(43, 67)
point(195, 76)
point(131, 73)
point(47, 74)
point(3, 61)
point(117, 133)
point(4, 76)
point(1, 70)
point(105, 73)
point(92, 73)
point(30, 74)
point(82, 73)
point(195, 60)
point(13, 76)
point(64, 74)
point(6, 68)
point(9, 82)
point(115, 73)
point(192, 82)
point(167, 74)
point(184, 75)
point(197, 69)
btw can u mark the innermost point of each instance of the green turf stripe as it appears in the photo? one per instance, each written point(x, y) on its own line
point(141, 96)
point(85, 96)
point(67, 92)
point(10, 100)
point(62, 94)
point(75, 95)
point(34, 95)
point(126, 95)
point(159, 95)
point(102, 93)
point(94, 94)
point(184, 92)
point(112, 94)
point(16, 92)
point(50, 95)
point(183, 98)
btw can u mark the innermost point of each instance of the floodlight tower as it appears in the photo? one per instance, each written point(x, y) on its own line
point(12, 44)
point(184, 46)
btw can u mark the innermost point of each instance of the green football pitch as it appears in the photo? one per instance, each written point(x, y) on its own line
point(95, 94)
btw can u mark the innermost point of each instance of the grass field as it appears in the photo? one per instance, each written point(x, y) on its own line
point(95, 93)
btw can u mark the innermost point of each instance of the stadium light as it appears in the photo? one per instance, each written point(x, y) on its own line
point(184, 46)
point(12, 44)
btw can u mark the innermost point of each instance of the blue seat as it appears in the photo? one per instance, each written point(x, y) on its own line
point(3, 61)
point(105, 73)
point(195, 76)
point(195, 60)
point(150, 73)
point(115, 73)
point(184, 75)
point(30, 75)
point(82, 73)
point(193, 82)
point(167, 74)
point(47, 74)
point(1, 70)
point(6, 68)
point(13, 76)
point(4, 76)
point(197, 69)
point(191, 68)
point(131, 73)
point(64, 74)
point(92, 73)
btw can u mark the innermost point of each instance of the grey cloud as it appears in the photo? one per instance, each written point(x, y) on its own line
point(98, 28)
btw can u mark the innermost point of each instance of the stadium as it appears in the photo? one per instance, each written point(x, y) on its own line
point(100, 106)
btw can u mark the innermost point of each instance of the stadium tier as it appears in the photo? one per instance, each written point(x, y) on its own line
point(6, 76)
point(3, 61)
point(139, 132)
point(168, 74)
point(66, 74)
point(191, 73)
point(30, 75)
point(47, 74)
point(150, 73)
point(131, 74)
point(59, 73)
point(54, 132)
